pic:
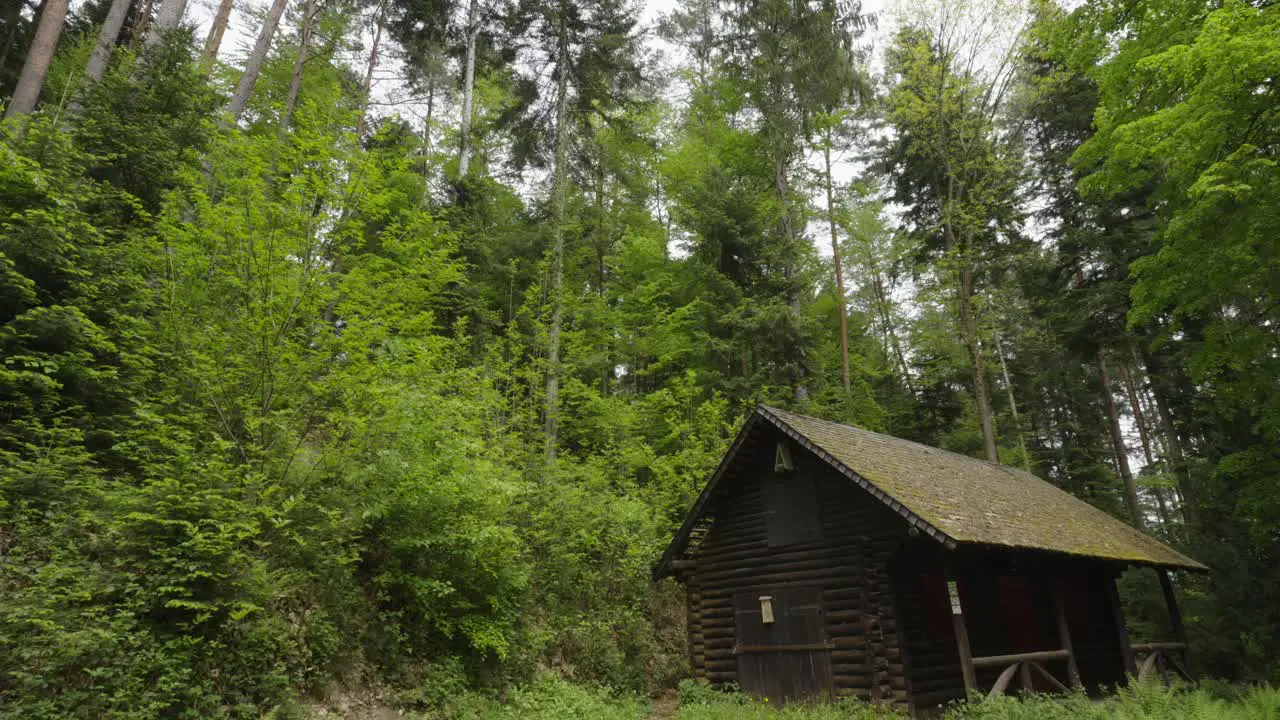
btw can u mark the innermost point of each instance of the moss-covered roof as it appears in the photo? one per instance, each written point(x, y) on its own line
point(971, 501)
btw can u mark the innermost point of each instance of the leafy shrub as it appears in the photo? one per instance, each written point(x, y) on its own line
point(547, 699)
point(699, 701)
point(1140, 702)
point(1143, 702)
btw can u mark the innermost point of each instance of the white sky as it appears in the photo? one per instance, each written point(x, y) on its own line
point(241, 34)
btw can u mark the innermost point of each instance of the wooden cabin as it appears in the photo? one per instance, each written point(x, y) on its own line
point(823, 560)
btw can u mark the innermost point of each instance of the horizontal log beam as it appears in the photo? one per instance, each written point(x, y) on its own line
point(1042, 656)
point(1159, 646)
point(797, 647)
point(729, 557)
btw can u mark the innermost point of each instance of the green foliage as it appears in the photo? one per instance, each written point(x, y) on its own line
point(701, 702)
point(1136, 703)
point(732, 709)
point(271, 394)
point(1200, 136)
point(1182, 149)
point(547, 699)
point(1142, 702)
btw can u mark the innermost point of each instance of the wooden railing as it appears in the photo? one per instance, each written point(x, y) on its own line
point(1161, 659)
point(1141, 659)
point(1023, 665)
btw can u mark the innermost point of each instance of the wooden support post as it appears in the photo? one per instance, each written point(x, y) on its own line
point(1171, 601)
point(1024, 677)
point(1064, 634)
point(1002, 682)
point(1047, 676)
point(1149, 664)
point(1117, 613)
point(1175, 619)
point(962, 636)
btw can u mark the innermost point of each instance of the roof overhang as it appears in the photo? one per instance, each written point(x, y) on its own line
point(762, 416)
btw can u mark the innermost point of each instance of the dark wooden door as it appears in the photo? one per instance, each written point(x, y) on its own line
point(786, 656)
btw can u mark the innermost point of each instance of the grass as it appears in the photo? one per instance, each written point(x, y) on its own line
point(698, 702)
point(1143, 702)
point(549, 699)
point(553, 699)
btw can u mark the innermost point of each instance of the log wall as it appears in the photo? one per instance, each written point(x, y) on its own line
point(927, 633)
point(850, 562)
point(886, 615)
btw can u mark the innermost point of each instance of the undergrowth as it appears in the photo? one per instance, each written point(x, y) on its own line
point(548, 699)
point(1140, 702)
point(560, 700)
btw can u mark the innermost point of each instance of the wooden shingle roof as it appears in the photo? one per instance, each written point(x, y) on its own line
point(956, 499)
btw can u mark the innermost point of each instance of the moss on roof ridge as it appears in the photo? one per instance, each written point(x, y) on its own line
point(1027, 511)
point(893, 438)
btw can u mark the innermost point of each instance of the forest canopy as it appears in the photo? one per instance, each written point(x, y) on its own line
point(387, 344)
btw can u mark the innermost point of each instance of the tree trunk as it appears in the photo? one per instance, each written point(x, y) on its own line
point(31, 81)
point(1186, 498)
point(1139, 419)
point(468, 89)
point(253, 67)
point(107, 37)
point(835, 257)
point(1159, 443)
point(13, 21)
point(213, 42)
point(782, 186)
point(706, 17)
point(1013, 405)
point(969, 330)
point(557, 242)
point(431, 108)
point(664, 218)
point(1176, 457)
point(299, 64)
point(168, 17)
point(141, 23)
point(603, 232)
point(1117, 444)
point(367, 88)
point(960, 245)
point(893, 346)
point(426, 139)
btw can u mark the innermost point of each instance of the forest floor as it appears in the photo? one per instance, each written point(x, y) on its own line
point(665, 706)
point(560, 700)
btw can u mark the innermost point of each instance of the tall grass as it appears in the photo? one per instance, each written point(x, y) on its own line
point(548, 699)
point(697, 702)
point(560, 700)
point(1141, 702)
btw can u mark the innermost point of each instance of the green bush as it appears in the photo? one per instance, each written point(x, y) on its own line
point(547, 699)
point(1141, 702)
point(701, 702)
